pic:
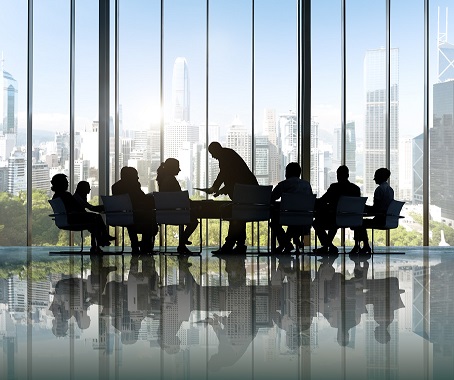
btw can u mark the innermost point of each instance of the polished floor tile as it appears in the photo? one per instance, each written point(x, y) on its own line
point(389, 316)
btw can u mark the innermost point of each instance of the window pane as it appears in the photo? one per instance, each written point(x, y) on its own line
point(275, 89)
point(326, 93)
point(13, 122)
point(139, 65)
point(410, 101)
point(442, 128)
point(230, 81)
point(50, 113)
point(86, 140)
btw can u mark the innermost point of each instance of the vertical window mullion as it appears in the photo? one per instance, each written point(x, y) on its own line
point(29, 120)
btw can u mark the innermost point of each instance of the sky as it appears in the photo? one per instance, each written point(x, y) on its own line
point(229, 58)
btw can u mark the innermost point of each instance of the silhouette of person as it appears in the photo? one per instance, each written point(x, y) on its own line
point(73, 296)
point(325, 207)
point(167, 183)
point(232, 170)
point(80, 195)
point(78, 215)
point(384, 295)
point(383, 195)
point(292, 184)
point(143, 209)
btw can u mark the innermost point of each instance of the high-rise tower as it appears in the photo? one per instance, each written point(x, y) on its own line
point(442, 134)
point(375, 123)
point(180, 90)
point(8, 113)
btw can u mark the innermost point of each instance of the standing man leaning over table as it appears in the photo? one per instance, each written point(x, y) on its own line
point(232, 170)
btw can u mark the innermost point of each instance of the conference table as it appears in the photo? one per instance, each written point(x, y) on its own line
point(211, 209)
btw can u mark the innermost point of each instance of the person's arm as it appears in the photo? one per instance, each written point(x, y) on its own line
point(276, 193)
point(216, 184)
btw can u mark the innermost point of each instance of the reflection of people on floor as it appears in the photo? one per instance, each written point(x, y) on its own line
point(67, 293)
point(143, 208)
point(178, 301)
point(236, 330)
point(383, 196)
point(168, 183)
point(134, 298)
point(291, 291)
point(78, 215)
point(326, 206)
point(73, 296)
point(292, 184)
point(384, 295)
point(232, 170)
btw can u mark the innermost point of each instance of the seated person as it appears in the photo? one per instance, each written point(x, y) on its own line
point(383, 196)
point(143, 209)
point(292, 184)
point(326, 206)
point(78, 215)
point(167, 183)
point(80, 195)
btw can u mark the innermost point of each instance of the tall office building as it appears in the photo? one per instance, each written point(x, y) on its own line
point(442, 134)
point(288, 137)
point(441, 152)
point(375, 123)
point(239, 139)
point(315, 159)
point(180, 90)
point(350, 149)
point(17, 170)
point(262, 160)
point(269, 127)
point(406, 169)
point(417, 152)
point(445, 53)
point(8, 113)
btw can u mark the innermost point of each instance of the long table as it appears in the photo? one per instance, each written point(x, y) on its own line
point(210, 209)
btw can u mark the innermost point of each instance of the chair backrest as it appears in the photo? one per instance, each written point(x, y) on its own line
point(172, 207)
point(350, 211)
point(296, 209)
point(60, 216)
point(118, 210)
point(393, 214)
point(251, 202)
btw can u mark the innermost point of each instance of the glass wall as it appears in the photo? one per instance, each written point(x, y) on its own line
point(194, 72)
point(13, 123)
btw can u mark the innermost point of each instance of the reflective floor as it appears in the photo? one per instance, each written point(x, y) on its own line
point(390, 316)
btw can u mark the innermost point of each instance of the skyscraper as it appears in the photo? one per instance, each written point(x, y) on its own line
point(445, 53)
point(8, 113)
point(442, 134)
point(441, 153)
point(239, 139)
point(350, 149)
point(180, 90)
point(375, 123)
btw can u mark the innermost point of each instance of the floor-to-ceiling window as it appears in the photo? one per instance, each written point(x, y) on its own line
point(227, 71)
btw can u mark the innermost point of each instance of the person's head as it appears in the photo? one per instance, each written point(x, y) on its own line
point(293, 169)
point(342, 173)
point(381, 175)
point(172, 166)
point(382, 334)
point(59, 182)
point(215, 149)
point(129, 173)
point(83, 187)
point(343, 337)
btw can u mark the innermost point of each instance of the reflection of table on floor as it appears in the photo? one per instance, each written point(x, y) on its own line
point(210, 209)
